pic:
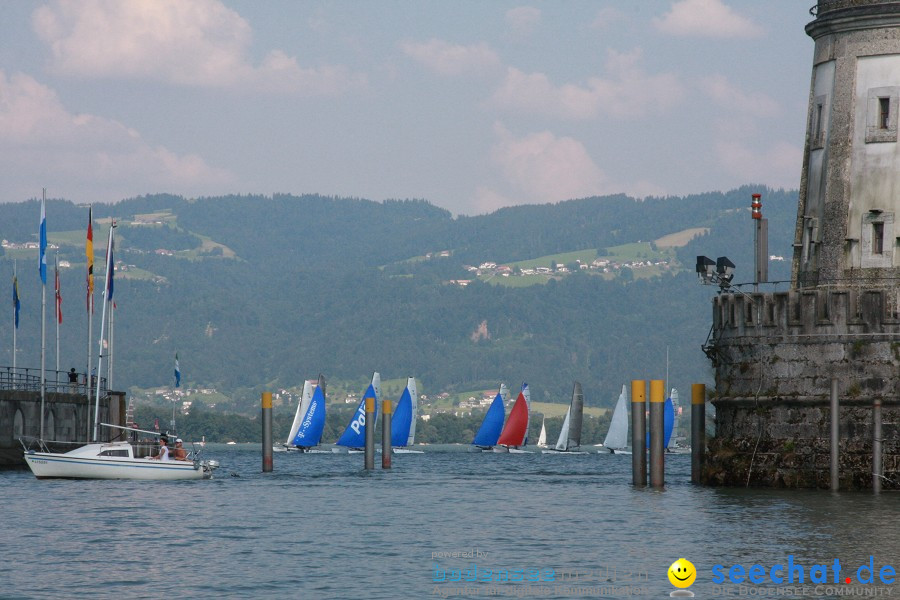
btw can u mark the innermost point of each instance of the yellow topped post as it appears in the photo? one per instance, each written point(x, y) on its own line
point(638, 432)
point(657, 433)
point(387, 411)
point(267, 432)
point(370, 433)
point(698, 431)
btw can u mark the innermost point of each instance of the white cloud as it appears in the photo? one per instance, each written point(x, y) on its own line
point(546, 168)
point(42, 141)
point(605, 17)
point(196, 43)
point(627, 91)
point(449, 59)
point(725, 94)
point(523, 19)
point(776, 166)
point(706, 18)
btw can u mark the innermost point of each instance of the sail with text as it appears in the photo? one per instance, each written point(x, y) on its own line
point(354, 435)
point(403, 423)
point(309, 429)
point(489, 432)
point(515, 433)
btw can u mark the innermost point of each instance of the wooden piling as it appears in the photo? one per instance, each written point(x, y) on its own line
point(657, 433)
point(267, 432)
point(638, 433)
point(698, 431)
point(370, 433)
point(386, 415)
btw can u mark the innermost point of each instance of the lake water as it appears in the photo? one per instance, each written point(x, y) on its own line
point(321, 527)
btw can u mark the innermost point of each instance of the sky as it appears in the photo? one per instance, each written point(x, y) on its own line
point(471, 105)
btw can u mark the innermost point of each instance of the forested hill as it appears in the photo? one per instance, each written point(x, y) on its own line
point(261, 292)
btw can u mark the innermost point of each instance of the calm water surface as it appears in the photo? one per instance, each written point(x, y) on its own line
point(321, 527)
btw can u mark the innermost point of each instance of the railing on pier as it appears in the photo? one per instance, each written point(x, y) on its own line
point(29, 380)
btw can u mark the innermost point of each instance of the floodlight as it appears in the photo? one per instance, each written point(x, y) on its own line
point(725, 270)
point(705, 269)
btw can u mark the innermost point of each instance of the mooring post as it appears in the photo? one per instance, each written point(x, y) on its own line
point(370, 433)
point(698, 431)
point(386, 412)
point(657, 428)
point(876, 446)
point(835, 437)
point(267, 432)
point(638, 433)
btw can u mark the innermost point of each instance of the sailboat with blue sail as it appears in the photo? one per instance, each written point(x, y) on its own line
point(353, 439)
point(308, 432)
point(668, 420)
point(403, 423)
point(487, 435)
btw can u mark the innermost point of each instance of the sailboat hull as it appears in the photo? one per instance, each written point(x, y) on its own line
point(619, 451)
point(519, 451)
point(564, 452)
point(86, 463)
point(406, 451)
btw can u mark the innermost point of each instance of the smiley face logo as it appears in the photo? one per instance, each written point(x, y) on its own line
point(682, 573)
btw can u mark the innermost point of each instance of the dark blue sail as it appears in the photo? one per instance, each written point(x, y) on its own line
point(401, 421)
point(668, 423)
point(489, 432)
point(310, 431)
point(355, 434)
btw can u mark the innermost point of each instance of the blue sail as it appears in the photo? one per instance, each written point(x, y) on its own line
point(401, 421)
point(668, 423)
point(355, 434)
point(310, 431)
point(489, 432)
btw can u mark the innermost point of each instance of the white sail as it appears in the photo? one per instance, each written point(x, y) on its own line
point(376, 385)
point(526, 392)
point(302, 407)
point(414, 396)
point(504, 393)
point(563, 441)
point(674, 398)
point(542, 439)
point(617, 436)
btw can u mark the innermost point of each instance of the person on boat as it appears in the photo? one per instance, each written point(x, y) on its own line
point(163, 450)
point(179, 453)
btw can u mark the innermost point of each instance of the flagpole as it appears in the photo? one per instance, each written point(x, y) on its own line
point(42, 267)
point(15, 310)
point(57, 316)
point(112, 225)
point(89, 252)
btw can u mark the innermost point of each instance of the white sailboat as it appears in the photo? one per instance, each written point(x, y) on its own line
point(110, 460)
point(616, 441)
point(569, 441)
point(542, 438)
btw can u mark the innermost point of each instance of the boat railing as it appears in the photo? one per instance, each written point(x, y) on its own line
point(29, 380)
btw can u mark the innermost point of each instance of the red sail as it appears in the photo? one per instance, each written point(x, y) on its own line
point(517, 425)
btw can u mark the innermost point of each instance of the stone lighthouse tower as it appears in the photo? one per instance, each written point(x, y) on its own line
point(781, 357)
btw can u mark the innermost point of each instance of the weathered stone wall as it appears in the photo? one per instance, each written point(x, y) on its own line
point(775, 356)
point(66, 420)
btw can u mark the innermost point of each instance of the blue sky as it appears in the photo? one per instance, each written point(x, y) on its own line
point(471, 105)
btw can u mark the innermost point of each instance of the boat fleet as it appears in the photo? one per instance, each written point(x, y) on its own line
point(497, 432)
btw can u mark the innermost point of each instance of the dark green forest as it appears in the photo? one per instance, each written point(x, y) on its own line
point(263, 292)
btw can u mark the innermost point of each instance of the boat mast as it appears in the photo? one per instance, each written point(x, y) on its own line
point(112, 225)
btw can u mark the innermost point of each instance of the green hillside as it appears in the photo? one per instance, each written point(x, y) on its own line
point(258, 293)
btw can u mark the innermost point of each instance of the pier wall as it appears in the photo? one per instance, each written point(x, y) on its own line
point(775, 355)
point(68, 420)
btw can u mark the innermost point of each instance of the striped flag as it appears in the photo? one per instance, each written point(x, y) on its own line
point(112, 268)
point(16, 302)
point(58, 300)
point(89, 251)
point(177, 372)
point(43, 237)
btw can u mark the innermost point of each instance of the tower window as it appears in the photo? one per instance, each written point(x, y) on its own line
point(881, 114)
point(817, 122)
point(877, 238)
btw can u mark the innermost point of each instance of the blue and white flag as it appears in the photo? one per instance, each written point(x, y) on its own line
point(177, 372)
point(16, 302)
point(43, 236)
